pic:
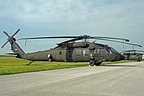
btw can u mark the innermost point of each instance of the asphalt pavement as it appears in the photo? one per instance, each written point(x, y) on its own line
point(125, 79)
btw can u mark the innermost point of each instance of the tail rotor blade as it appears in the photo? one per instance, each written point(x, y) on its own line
point(6, 34)
point(7, 40)
point(15, 32)
point(4, 44)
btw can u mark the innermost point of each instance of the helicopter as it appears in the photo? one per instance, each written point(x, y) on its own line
point(70, 50)
point(133, 54)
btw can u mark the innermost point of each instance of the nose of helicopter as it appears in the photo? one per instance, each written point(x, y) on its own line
point(119, 57)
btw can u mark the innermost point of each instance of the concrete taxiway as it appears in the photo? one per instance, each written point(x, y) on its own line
point(125, 79)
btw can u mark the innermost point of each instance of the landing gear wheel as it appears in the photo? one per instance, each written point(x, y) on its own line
point(98, 64)
point(92, 63)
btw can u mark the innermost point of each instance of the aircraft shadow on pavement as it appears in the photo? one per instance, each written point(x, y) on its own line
point(112, 65)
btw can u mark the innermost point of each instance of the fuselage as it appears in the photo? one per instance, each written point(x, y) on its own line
point(76, 52)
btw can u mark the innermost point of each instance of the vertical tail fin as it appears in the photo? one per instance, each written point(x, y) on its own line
point(14, 46)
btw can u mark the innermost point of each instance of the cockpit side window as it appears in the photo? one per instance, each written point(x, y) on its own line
point(110, 50)
point(113, 50)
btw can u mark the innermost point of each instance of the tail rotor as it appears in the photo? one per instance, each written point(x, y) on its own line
point(10, 37)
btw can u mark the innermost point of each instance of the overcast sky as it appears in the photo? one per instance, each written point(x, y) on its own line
point(115, 18)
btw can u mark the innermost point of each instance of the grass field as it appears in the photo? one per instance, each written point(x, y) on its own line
point(12, 65)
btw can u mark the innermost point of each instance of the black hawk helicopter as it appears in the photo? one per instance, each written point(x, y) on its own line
point(70, 50)
point(133, 54)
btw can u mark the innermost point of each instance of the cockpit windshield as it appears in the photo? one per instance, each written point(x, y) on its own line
point(113, 50)
point(110, 50)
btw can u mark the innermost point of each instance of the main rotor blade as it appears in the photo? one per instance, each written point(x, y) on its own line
point(121, 42)
point(99, 37)
point(133, 51)
point(80, 37)
point(49, 37)
point(75, 39)
point(11, 53)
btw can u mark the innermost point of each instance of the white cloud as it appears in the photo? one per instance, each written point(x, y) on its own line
point(90, 14)
point(67, 10)
point(124, 18)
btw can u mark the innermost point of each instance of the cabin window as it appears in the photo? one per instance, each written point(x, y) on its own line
point(96, 51)
point(78, 52)
point(85, 52)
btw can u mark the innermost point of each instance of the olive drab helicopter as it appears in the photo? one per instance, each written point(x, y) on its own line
point(133, 54)
point(70, 50)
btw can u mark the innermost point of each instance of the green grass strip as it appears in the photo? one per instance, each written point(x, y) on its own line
point(12, 65)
